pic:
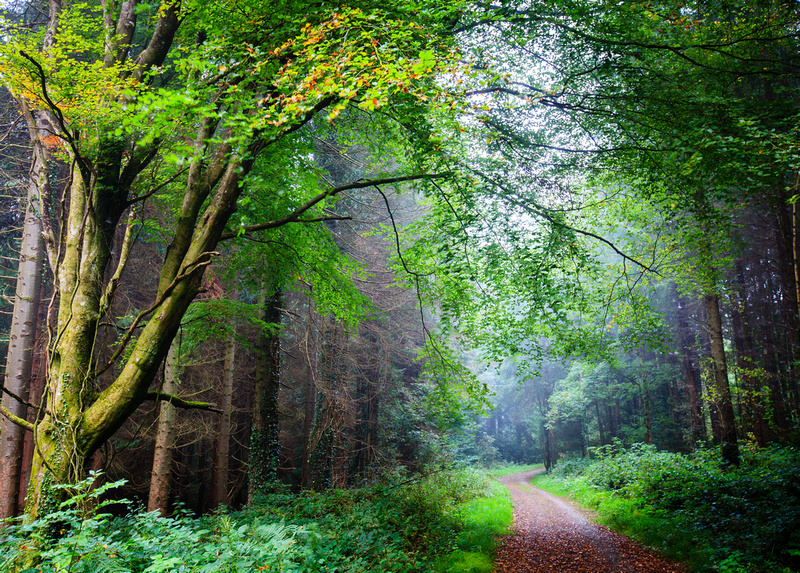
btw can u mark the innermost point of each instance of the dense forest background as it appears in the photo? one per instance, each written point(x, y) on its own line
point(257, 247)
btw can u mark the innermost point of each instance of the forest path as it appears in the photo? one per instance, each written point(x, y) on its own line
point(552, 536)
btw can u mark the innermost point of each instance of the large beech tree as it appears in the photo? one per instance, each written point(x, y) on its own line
point(175, 103)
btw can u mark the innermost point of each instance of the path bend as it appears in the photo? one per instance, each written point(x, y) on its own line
point(552, 536)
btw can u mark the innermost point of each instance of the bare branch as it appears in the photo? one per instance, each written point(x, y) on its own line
point(19, 399)
point(294, 217)
point(204, 260)
point(181, 403)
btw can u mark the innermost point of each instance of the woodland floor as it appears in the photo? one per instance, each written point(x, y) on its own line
point(552, 536)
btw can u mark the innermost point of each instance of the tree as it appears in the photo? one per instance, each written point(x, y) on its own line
point(264, 439)
point(158, 497)
point(178, 106)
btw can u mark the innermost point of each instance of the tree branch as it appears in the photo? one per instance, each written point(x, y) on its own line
point(125, 250)
point(19, 399)
point(181, 403)
point(248, 231)
point(16, 419)
point(70, 138)
point(204, 260)
point(294, 217)
point(542, 212)
point(157, 188)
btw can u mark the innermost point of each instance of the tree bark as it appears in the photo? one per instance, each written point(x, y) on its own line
point(264, 444)
point(219, 495)
point(311, 400)
point(693, 387)
point(722, 391)
point(22, 338)
point(158, 498)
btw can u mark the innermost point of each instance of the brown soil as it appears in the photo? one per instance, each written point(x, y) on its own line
point(552, 536)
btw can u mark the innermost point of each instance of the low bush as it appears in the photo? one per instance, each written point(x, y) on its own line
point(407, 525)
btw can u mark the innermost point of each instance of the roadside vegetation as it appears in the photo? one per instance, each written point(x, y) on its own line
point(445, 521)
point(510, 468)
point(696, 510)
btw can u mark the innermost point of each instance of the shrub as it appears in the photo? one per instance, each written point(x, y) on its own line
point(403, 526)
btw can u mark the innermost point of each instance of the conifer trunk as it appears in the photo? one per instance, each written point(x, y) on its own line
point(158, 498)
point(264, 444)
point(310, 401)
point(722, 391)
point(693, 388)
point(219, 495)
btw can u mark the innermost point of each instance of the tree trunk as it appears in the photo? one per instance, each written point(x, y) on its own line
point(310, 402)
point(219, 495)
point(646, 411)
point(599, 422)
point(547, 454)
point(158, 498)
point(693, 388)
point(796, 255)
point(722, 391)
point(777, 395)
point(22, 339)
point(38, 376)
point(372, 421)
point(264, 443)
point(751, 410)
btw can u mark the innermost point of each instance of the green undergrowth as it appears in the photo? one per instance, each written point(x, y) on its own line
point(483, 520)
point(445, 521)
point(692, 507)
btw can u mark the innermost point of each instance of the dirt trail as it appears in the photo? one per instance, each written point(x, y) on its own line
point(552, 536)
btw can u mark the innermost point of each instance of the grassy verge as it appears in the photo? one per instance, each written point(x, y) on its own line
point(483, 520)
point(508, 469)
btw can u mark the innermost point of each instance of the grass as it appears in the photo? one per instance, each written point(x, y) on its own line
point(484, 520)
point(508, 469)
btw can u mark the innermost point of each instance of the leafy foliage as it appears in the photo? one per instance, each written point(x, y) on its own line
point(406, 525)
